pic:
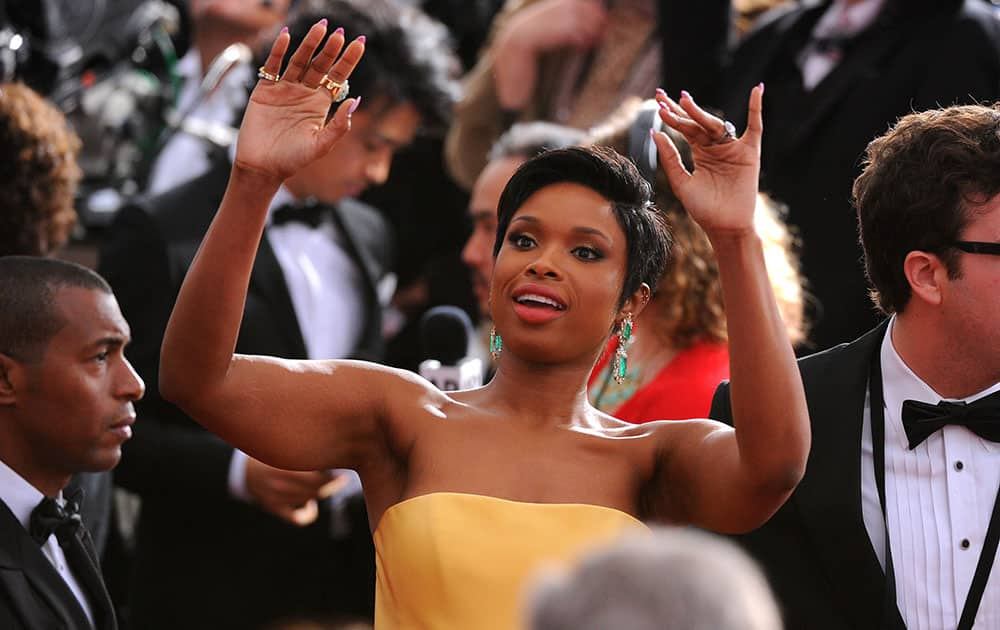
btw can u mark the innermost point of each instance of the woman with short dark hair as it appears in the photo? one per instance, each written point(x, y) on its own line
point(470, 492)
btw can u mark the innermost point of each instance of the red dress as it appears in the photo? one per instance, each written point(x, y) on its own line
point(683, 388)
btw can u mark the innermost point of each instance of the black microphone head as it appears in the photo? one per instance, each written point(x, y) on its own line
point(444, 334)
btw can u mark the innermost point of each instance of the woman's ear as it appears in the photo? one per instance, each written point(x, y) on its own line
point(637, 301)
point(926, 274)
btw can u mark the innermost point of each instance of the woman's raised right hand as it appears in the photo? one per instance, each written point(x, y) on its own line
point(285, 125)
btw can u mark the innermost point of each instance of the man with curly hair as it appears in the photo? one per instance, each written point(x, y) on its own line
point(39, 173)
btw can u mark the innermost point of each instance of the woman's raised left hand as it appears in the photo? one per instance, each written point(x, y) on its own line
point(285, 126)
point(721, 193)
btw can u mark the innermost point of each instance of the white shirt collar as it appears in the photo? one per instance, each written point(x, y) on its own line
point(189, 67)
point(900, 383)
point(19, 495)
point(857, 17)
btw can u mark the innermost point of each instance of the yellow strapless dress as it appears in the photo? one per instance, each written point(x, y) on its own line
point(455, 561)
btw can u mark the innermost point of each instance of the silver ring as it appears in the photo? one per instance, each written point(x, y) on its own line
point(262, 73)
point(728, 132)
point(338, 91)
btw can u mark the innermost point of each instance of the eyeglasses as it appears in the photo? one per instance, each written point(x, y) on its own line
point(978, 247)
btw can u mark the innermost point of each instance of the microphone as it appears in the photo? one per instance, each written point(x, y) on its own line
point(445, 332)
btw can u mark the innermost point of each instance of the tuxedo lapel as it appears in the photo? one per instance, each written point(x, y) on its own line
point(86, 567)
point(371, 268)
point(863, 67)
point(267, 282)
point(368, 248)
point(829, 499)
point(29, 576)
point(858, 67)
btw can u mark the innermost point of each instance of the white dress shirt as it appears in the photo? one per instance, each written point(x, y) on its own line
point(939, 499)
point(22, 498)
point(185, 156)
point(327, 291)
point(839, 20)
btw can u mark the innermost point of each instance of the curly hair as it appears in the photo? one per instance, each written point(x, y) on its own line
point(688, 300)
point(39, 173)
point(922, 182)
point(408, 58)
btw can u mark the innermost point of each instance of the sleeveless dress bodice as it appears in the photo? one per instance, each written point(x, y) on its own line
point(449, 561)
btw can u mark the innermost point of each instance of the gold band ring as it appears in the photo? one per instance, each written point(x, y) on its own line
point(262, 73)
point(338, 91)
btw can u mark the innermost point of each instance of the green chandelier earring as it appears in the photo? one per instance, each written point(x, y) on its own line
point(496, 343)
point(619, 366)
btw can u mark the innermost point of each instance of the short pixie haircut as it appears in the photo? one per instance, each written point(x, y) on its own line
point(615, 178)
point(922, 182)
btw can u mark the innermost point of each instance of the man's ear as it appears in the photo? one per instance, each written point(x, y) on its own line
point(927, 275)
point(637, 301)
point(10, 376)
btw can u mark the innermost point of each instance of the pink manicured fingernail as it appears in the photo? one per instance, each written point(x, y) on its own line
point(660, 92)
point(663, 105)
point(652, 132)
point(339, 31)
point(354, 106)
point(761, 86)
point(684, 93)
point(361, 39)
point(284, 30)
point(323, 22)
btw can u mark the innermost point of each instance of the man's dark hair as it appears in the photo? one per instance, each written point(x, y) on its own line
point(408, 55)
point(616, 179)
point(29, 316)
point(922, 182)
point(528, 139)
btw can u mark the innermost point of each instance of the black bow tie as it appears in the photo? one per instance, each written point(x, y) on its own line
point(832, 43)
point(982, 417)
point(51, 518)
point(310, 213)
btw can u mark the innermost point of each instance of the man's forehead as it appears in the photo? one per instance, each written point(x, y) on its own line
point(395, 123)
point(92, 313)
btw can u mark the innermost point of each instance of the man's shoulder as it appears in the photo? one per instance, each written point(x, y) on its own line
point(189, 208)
point(845, 356)
point(10, 536)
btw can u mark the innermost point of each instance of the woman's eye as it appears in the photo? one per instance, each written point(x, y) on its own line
point(521, 241)
point(588, 253)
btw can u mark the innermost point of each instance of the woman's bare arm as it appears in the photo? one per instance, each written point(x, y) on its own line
point(720, 478)
point(291, 414)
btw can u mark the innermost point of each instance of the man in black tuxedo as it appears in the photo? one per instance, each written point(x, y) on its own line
point(839, 73)
point(896, 521)
point(66, 406)
point(224, 541)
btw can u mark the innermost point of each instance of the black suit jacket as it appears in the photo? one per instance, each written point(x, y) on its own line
point(815, 549)
point(203, 558)
point(919, 54)
point(33, 596)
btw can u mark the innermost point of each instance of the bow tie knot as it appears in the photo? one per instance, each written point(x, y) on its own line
point(310, 213)
point(51, 518)
point(981, 416)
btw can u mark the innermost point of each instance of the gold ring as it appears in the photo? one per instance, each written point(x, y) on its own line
point(338, 91)
point(262, 73)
